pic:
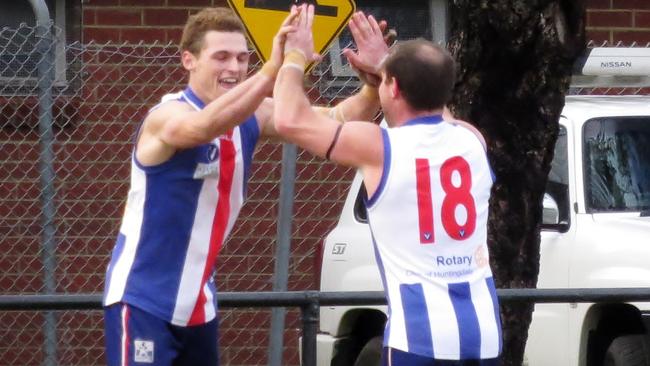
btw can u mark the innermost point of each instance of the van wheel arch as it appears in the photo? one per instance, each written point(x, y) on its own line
point(609, 322)
point(370, 354)
point(361, 325)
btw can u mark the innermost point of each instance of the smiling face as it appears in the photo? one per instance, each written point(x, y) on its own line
point(214, 51)
point(220, 65)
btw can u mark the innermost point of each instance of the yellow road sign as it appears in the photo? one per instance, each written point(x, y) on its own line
point(262, 19)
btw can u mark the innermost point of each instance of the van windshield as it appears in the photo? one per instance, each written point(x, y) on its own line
point(617, 164)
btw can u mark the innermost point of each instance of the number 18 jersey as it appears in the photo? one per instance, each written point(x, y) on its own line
point(428, 219)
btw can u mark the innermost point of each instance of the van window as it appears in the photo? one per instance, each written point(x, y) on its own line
point(557, 185)
point(18, 54)
point(617, 164)
point(360, 212)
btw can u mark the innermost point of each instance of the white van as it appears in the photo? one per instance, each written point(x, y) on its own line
point(596, 234)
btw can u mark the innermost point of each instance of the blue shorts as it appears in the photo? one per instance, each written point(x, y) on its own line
point(135, 337)
point(394, 357)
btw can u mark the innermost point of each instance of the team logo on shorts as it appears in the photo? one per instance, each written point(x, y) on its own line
point(143, 351)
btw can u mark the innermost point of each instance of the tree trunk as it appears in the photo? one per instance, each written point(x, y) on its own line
point(515, 59)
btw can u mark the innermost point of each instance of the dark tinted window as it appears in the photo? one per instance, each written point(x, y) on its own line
point(18, 40)
point(410, 18)
point(557, 185)
point(360, 212)
point(617, 164)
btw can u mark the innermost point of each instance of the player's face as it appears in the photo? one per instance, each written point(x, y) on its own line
point(222, 63)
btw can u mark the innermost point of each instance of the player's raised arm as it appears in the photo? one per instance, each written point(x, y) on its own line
point(354, 144)
point(372, 40)
point(218, 77)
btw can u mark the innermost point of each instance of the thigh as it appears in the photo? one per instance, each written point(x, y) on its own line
point(199, 344)
point(394, 357)
point(135, 337)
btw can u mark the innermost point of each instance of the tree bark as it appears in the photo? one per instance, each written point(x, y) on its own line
point(515, 59)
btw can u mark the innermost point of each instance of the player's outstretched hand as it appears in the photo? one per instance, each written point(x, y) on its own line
point(302, 40)
point(372, 46)
point(287, 26)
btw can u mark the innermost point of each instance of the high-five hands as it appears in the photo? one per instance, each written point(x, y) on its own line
point(372, 42)
point(272, 66)
point(287, 26)
point(302, 40)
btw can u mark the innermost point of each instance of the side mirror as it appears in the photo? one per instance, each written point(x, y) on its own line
point(550, 211)
point(551, 215)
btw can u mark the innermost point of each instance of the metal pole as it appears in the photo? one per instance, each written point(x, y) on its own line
point(282, 252)
point(309, 328)
point(44, 47)
point(439, 21)
point(266, 299)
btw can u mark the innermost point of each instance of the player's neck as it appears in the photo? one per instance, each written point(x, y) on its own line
point(205, 94)
point(408, 114)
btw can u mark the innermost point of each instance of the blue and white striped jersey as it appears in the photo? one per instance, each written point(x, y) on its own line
point(177, 216)
point(428, 219)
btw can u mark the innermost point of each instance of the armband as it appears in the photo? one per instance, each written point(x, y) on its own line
point(334, 141)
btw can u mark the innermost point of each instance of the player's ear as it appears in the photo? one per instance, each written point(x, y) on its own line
point(188, 60)
point(393, 86)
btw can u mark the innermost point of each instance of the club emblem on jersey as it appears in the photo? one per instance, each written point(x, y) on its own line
point(213, 152)
point(210, 168)
point(480, 256)
point(143, 351)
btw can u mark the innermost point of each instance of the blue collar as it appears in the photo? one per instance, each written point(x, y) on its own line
point(193, 98)
point(426, 120)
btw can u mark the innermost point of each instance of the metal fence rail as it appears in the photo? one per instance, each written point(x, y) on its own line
point(309, 303)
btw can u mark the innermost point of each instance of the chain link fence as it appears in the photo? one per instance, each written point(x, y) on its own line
point(100, 95)
point(101, 92)
point(610, 84)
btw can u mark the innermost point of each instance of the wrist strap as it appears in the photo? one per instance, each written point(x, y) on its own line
point(295, 57)
point(292, 65)
point(270, 69)
point(369, 92)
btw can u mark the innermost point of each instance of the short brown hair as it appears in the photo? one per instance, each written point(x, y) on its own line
point(424, 71)
point(220, 19)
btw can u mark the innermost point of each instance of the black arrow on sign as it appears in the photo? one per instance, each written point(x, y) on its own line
point(285, 5)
